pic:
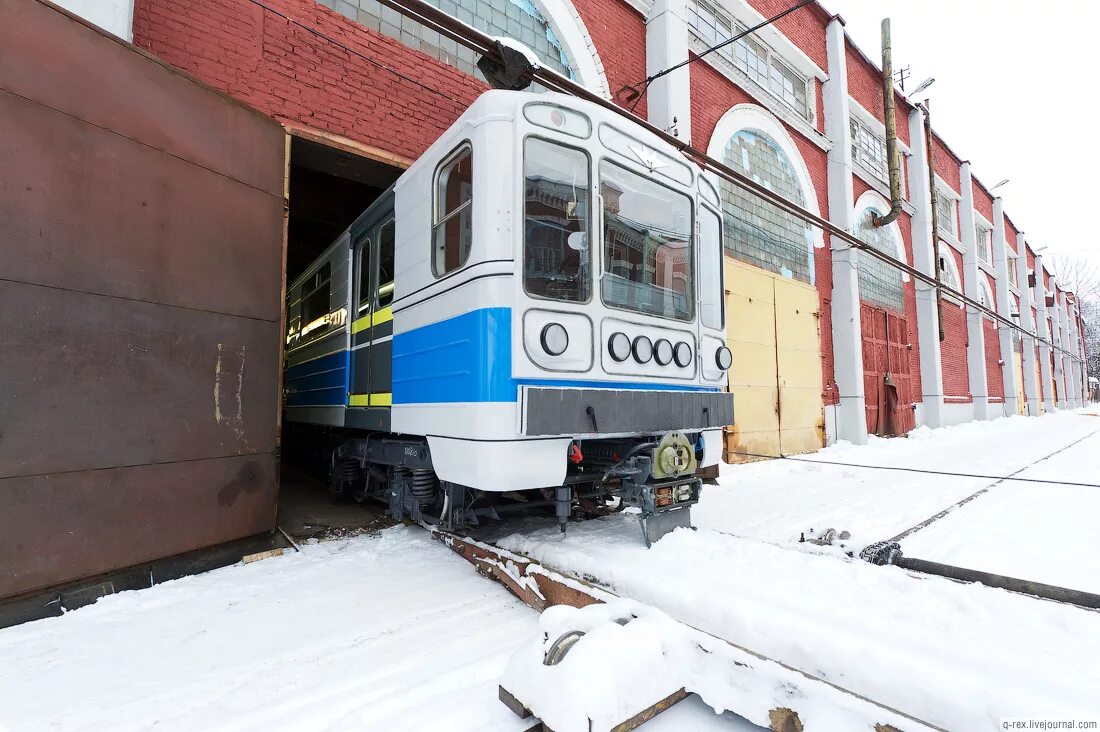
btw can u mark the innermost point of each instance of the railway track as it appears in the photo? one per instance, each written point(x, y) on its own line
point(541, 587)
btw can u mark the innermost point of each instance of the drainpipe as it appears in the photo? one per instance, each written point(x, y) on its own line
point(935, 224)
point(891, 131)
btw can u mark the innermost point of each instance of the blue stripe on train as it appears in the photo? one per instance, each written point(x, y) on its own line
point(338, 360)
point(321, 398)
point(468, 359)
point(320, 382)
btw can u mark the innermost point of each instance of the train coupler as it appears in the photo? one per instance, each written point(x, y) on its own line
point(665, 506)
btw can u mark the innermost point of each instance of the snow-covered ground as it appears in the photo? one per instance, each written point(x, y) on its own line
point(386, 632)
point(394, 632)
point(1034, 531)
point(956, 655)
point(389, 632)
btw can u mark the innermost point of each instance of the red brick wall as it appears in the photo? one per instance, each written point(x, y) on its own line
point(865, 86)
point(983, 202)
point(712, 95)
point(804, 27)
point(956, 380)
point(293, 75)
point(993, 375)
point(946, 164)
point(618, 31)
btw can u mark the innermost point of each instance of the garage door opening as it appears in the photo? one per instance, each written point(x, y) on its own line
point(329, 187)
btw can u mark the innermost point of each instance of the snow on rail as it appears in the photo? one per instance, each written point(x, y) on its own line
point(726, 675)
point(958, 656)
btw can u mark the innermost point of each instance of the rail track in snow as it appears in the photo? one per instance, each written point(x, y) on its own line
point(541, 587)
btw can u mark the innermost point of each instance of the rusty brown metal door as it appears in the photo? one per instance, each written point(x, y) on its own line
point(141, 236)
point(887, 379)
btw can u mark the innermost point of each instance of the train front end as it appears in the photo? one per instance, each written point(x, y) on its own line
point(620, 354)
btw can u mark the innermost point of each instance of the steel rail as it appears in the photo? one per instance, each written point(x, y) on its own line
point(486, 45)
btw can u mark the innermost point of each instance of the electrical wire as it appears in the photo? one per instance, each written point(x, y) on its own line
point(478, 41)
point(650, 79)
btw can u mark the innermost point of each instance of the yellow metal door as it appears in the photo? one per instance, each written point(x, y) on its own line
point(798, 355)
point(750, 331)
point(772, 330)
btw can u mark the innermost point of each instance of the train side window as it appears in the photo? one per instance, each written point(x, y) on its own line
point(711, 262)
point(556, 254)
point(362, 256)
point(385, 264)
point(452, 227)
point(315, 302)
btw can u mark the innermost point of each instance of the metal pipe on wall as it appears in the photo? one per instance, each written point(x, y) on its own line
point(891, 133)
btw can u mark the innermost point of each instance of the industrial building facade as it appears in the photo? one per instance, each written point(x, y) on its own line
point(362, 91)
point(171, 183)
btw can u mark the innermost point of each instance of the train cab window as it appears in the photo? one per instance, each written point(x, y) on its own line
point(315, 302)
point(452, 227)
point(555, 225)
point(385, 264)
point(362, 257)
point(710, 268)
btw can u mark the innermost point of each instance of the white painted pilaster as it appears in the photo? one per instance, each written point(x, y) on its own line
point(851, 422)
point(1059, 360)
point(666, 44)
point(1069, 348)
point(928, 325)
point(1027, 322)
point(975, 348)
point(1004, 308)
point(1039, 294)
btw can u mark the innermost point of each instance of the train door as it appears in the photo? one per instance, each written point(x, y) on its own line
point(369, 397)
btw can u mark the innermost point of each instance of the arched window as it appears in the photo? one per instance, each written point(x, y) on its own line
point(517, 19)
point(985, 294)
point(757, 232)
point(879, 283)
point(949, 271)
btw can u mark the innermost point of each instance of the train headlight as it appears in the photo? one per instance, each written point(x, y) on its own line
point(723, 358)
point(662, 352)
point(642, 349)
point(618, 345)
point(682, 354)
point(554, 339)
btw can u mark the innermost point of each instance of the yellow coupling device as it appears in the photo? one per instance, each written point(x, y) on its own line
point(674, 456)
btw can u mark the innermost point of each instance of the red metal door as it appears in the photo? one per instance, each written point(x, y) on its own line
point(142, 250)
point(887, 382)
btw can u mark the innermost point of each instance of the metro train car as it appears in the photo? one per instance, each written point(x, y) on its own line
point(531, 317)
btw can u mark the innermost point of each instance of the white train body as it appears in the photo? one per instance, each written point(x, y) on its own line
point(533, 215)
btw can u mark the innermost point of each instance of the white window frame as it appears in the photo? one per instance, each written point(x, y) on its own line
point(986, 232)
point(950, 266)
point(953, 218)
point(773, 61)
point(862, 132)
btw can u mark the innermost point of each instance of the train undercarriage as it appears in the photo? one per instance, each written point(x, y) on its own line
point(655, 475)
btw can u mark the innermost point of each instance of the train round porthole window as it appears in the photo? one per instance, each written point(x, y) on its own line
point(618, 345)
point(682, 354)
point(662, 352)
point(554, 339)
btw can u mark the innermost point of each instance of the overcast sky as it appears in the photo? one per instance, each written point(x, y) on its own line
point(1014, 94)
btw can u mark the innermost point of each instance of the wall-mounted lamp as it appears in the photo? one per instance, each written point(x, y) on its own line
point(923, 85)
point(998, 185)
